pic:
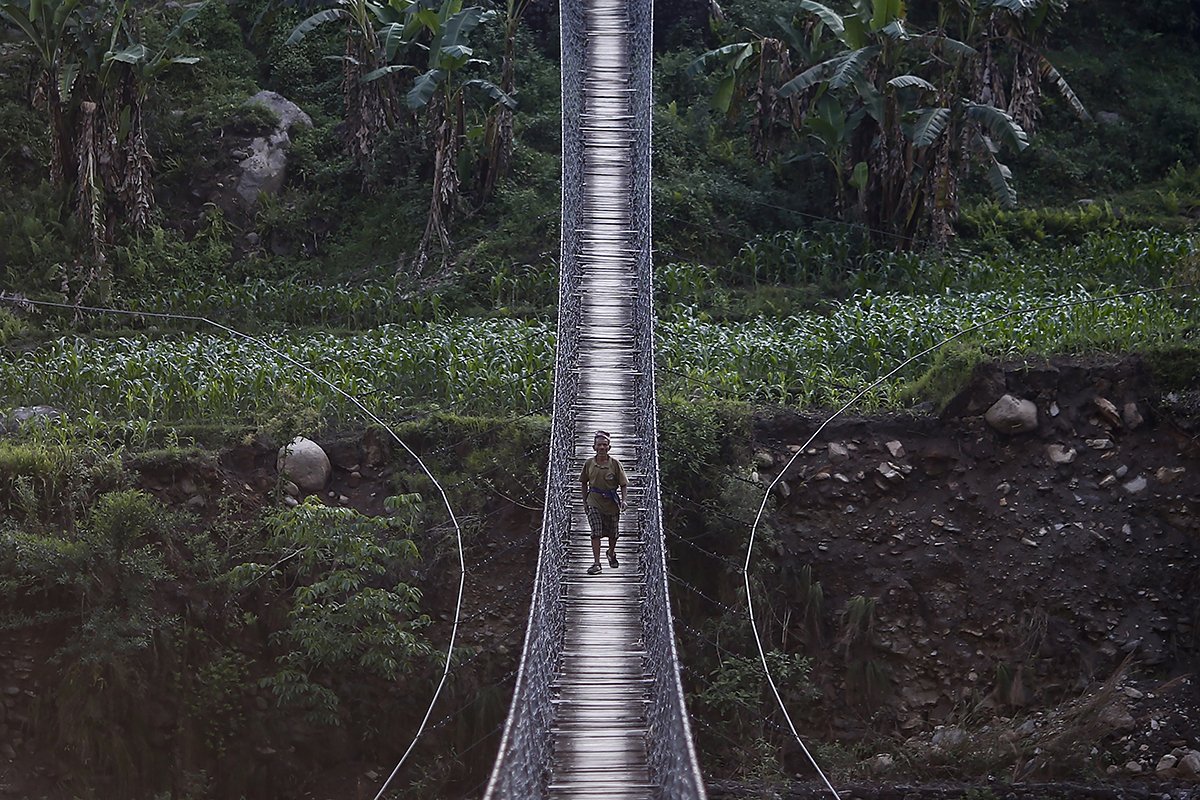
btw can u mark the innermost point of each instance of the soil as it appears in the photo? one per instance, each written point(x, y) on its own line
point(1034, 631)
point(1031, 619)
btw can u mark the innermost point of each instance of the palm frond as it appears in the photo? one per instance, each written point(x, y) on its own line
point(315, 21)
point(702, 62)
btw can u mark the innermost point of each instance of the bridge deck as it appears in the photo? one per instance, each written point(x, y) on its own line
point(602, 687)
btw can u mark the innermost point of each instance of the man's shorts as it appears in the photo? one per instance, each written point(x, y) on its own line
point(602, 524)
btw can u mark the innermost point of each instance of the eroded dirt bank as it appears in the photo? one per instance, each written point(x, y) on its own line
point(993, 608)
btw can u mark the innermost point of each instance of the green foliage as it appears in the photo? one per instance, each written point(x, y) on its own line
point(475, 365)
point(349, 615)
point(160, 254)
point(696, 438)
point(947, 374)
point(40, 239)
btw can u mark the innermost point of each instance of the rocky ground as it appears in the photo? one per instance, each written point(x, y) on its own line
point(1032, 560)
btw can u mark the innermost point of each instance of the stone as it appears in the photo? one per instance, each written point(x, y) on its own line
point(1166, 475)
point(1100, 444)
point(1166, 762)
point(304, 463)
point(264, 170)
point(889, 471)
point(948, 738)
point(838, 453)
point(290, 501)
point(25, 414)
point(880, 763)
point(896, 449)
point(784, 490)
point(197, 502)
point(1107, 411)
point(1135, 486)
point(1189, 765)
point(1012, 415)
point(1108, 118)
point(763, 459)
point(1133, 767)
point(1131, 416)
point(1060, 454)
point(291, 489)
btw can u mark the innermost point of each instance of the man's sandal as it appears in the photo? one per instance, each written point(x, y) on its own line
point(594, 569)
point(612, 559)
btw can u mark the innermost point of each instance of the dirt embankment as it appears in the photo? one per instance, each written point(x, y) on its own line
point(1019, 605)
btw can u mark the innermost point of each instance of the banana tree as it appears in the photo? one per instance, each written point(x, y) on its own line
point(94, 76)
point(902, 113)
point(499, 134)
point(371, 106)
point(441, 32)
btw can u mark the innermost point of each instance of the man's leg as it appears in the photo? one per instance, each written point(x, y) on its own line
point(614, 524)
point(596, 523)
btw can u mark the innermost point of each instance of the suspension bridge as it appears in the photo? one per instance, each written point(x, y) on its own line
point(598, 708)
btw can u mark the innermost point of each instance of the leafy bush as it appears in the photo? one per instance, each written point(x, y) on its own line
point(348, 615)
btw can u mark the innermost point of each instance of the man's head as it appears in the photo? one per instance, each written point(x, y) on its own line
point(601, 442)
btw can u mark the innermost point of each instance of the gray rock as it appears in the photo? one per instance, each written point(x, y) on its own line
point(896, 449)
point(1109, 118)
point(24, 414)
point(1012, 415)
point(1189, 765)
point(838, 453)
point(1133, 767)
point(763, 459)
point(948, 738)
point(1166, 762)
point(305, 463)
point(291, 489)
point(264, 169)
point(1131, 416)
point(1060, 454)
point(889, 471)
point(880, 763)
point(1100, 444)
point(1135, 486)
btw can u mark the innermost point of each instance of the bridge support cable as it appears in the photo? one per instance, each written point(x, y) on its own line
point(598, 708)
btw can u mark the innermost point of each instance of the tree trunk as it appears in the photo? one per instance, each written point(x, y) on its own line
point(446, 120)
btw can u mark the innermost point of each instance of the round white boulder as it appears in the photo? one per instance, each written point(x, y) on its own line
point(305, 464)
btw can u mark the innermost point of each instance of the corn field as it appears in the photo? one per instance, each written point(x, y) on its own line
point(492, 365)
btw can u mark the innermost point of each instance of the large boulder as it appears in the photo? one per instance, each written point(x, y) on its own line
point(1012, 415)
point(305, 464)
point(264, 168)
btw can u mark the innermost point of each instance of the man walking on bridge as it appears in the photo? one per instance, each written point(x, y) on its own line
point(604, 486)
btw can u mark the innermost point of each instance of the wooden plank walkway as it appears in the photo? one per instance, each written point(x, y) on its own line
point(599, 730)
